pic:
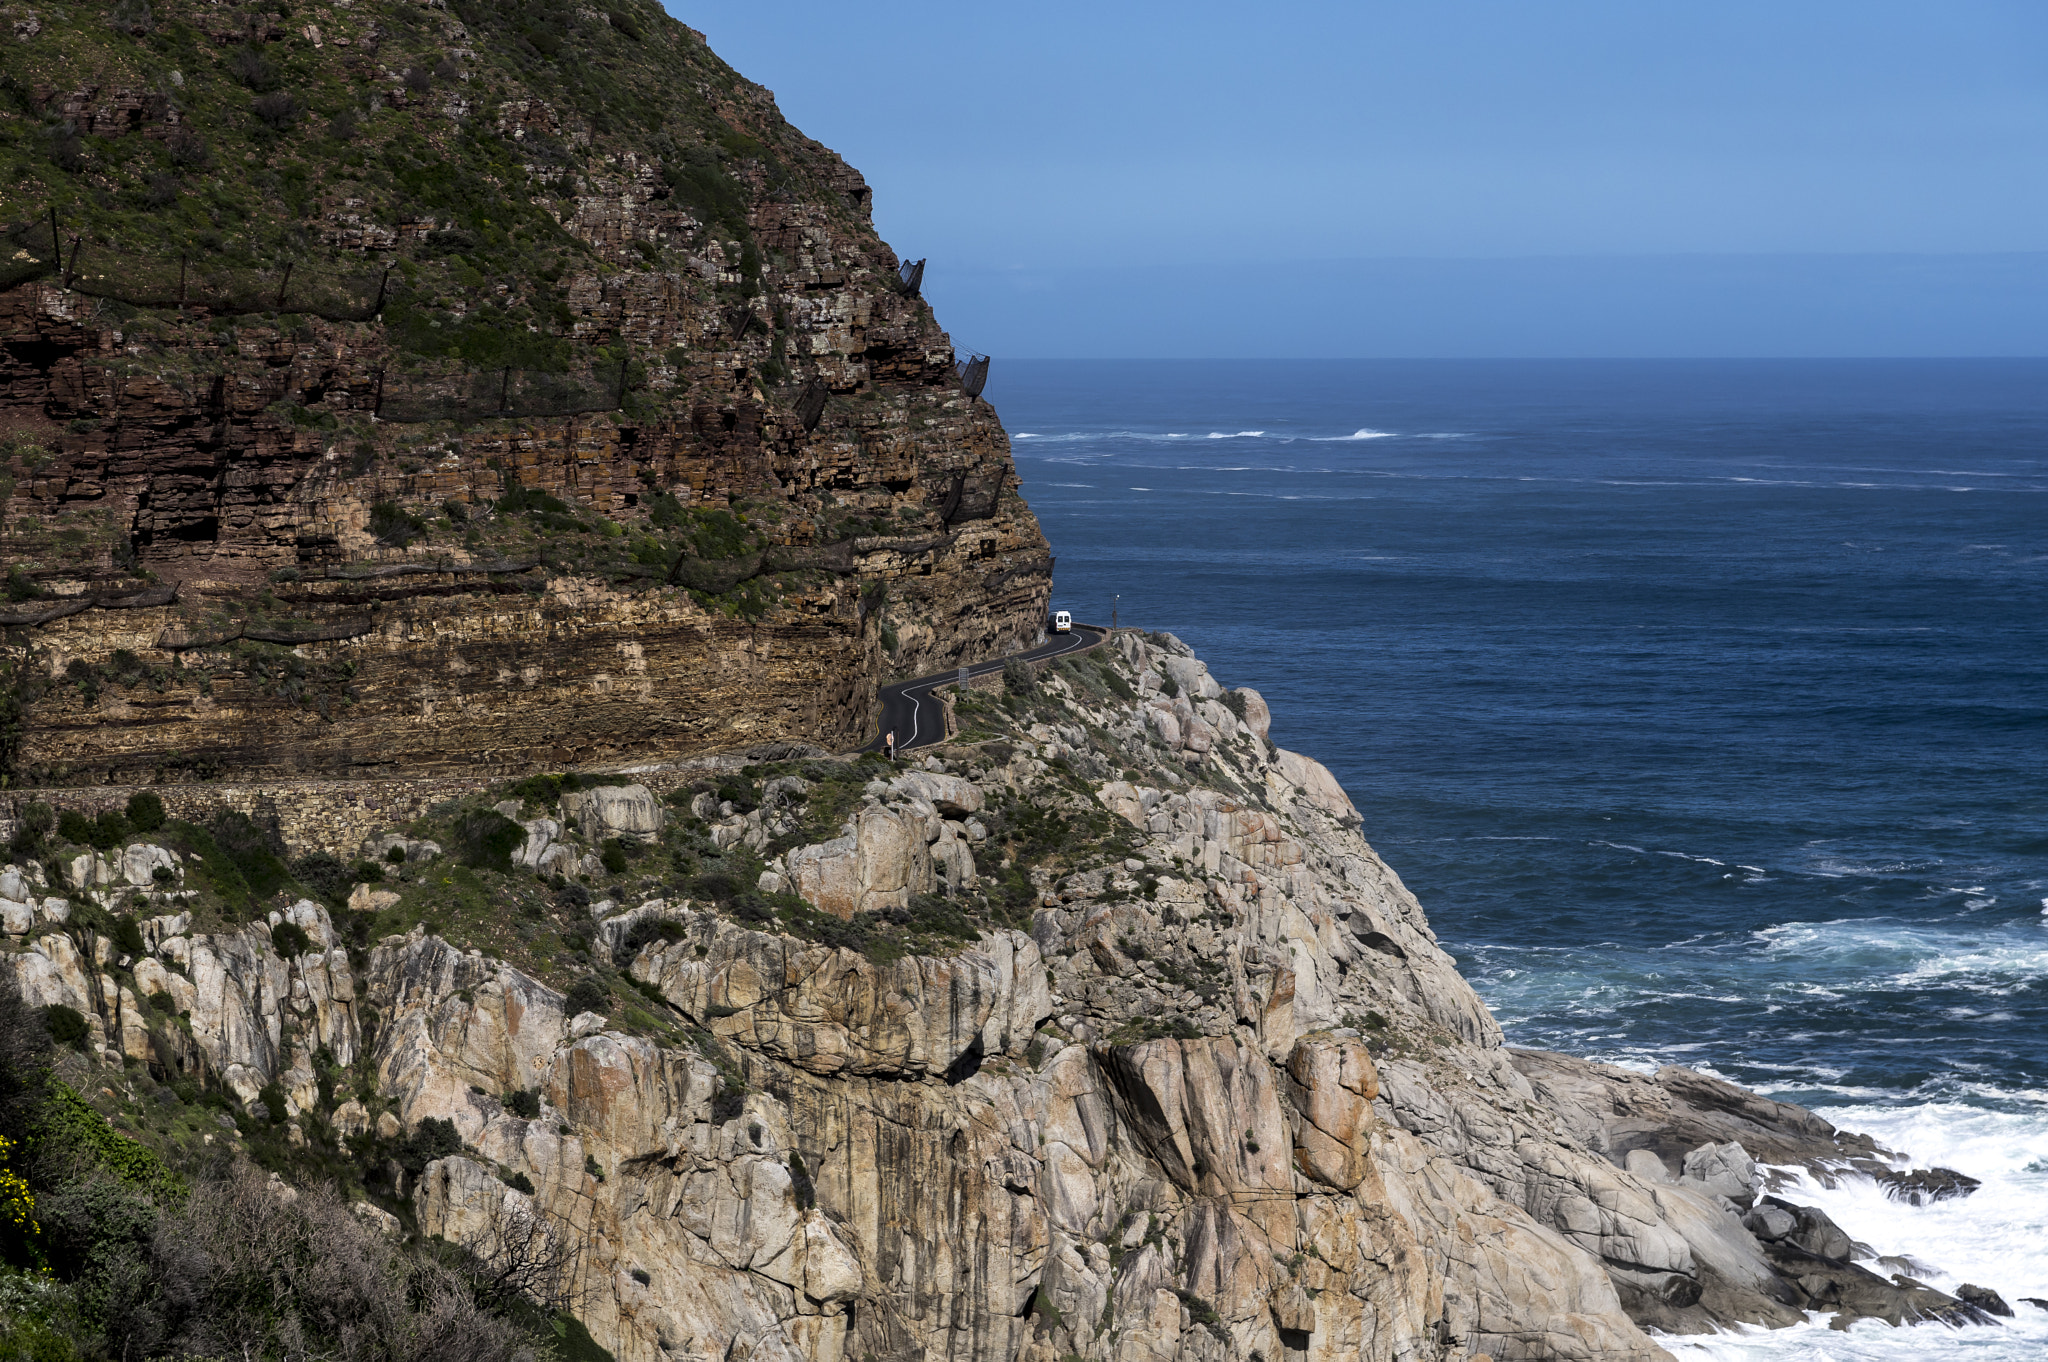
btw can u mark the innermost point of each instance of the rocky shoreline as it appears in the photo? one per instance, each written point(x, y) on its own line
point(1216, 1093)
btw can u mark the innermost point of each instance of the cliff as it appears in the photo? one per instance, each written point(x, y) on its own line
point(1098, 1032)
point(392, 388)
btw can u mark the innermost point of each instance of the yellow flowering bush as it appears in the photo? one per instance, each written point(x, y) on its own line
point(17, 1203)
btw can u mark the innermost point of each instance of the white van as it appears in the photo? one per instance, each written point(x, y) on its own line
point(1062, 622)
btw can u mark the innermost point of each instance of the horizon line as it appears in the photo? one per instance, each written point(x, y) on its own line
point(1517, 359)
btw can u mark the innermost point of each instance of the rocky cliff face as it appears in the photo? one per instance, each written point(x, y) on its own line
point(1218, 1094)
point(484, 387)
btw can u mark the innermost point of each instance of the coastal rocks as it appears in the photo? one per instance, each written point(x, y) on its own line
point(1924, 1186)
point(1316, 785)
point(1724, 1170)
point(1679, 1110)
point(1227, 1098)
point(1257, 717)
point(1985, 1299)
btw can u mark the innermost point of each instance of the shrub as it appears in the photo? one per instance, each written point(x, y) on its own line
point(393, 525)
point(644, 932)
point(715, 886)
point(66, 1025)
point(614, 858)
point(1018, 678)
point(588, 995)
point(519, 1182)
point(37, 821)
point(485, 839)
point(187, 148)
point(127, 935)
point(525, 1104)
point(145, 811)
point(433, 1138)
point(255, 852)
point(162, 190)
point(132, 17)
point(67, 150)
point(418, 79)
point(325, 875)
point(289, 940)
point(271, 1099)
point(247, 66)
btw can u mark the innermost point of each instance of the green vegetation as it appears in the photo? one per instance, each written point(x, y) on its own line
point(127, 1234)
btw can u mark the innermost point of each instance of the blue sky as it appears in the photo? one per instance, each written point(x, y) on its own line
point(1454, 177)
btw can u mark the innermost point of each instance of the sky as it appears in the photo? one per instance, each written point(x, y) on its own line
point(1454, 177)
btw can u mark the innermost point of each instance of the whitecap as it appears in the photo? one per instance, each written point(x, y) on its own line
point(1240, 435)
point(1362, 433)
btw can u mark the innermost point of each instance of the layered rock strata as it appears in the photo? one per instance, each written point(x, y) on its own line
point(1226, 1098)
point(232, 550)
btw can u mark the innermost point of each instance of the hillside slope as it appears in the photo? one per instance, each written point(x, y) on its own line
point(491, 385)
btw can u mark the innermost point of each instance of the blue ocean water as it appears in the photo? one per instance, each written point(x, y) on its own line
point(1703, 704)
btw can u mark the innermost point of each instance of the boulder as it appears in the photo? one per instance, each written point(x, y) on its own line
point(1646, 1166)
point(950, 795)
point(1191, 676)
point(614, 811)
point(1257, 717)
point(1167, 726)
point(882, 860)
point(1726, 1170)
point(1316, 785)
point(368, 898)
point(832, 1011)
point(1925, 1186)
point(1985, 1299)
point(377, 847)
point(1770, 1222)
point(1334, 1083)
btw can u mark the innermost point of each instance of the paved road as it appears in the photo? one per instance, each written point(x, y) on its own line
point(920, 720)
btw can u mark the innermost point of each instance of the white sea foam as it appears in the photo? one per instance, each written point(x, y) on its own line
point(1240, 435)
point(1997, 1238)
point(1362, 433)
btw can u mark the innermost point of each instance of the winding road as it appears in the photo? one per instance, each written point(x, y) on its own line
point(919, 720)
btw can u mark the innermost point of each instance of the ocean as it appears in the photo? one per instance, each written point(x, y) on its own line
point(1703, 704)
